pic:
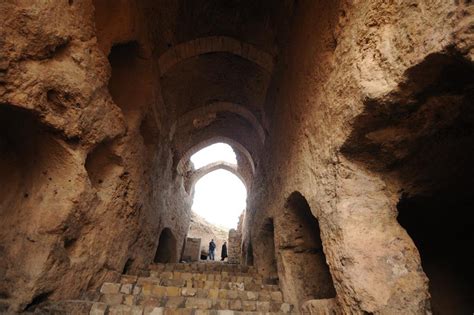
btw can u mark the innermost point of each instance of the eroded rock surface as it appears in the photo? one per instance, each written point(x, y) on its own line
point(352, 123)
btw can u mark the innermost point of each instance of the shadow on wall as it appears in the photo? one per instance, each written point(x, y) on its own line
point(167, 250)
point(307, 275)
point(249, 255)
point(129, 83)
point(267, 261)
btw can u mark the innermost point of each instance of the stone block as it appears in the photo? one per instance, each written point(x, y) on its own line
point(166, 275)
point(126, 288)
point(98, 309)
point(275, 307)
point(149, 302)
point(222, 294)
point(249, 306)
point(198, 303)
point(235, 305)
point(251, 296)
point(225, 312)
point(221, 304)
point(155, 311)
point(202, 293)
point(173, 291)
point(108, 288)
point(147, 288)
point(125, 310)
point(158, 291)
point(213, 293)
point(210, 277)
point(175, 302)
point(276, 296)
point(112, 299)
point(264, 296)
point(129, 299)
point(189, 292)
point(263, 306)
point(232, 294)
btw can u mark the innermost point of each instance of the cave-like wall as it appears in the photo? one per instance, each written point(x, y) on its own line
point(348, 71)
point(86, 176)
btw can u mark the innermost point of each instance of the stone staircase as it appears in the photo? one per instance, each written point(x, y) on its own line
point(184, 289)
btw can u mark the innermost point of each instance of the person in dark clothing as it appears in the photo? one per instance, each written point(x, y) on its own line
point(212, 248)
point(224, 251)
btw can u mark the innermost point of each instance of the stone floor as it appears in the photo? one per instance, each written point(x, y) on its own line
point(197, 288)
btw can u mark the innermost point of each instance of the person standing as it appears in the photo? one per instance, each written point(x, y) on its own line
point(212, 248)
point(224, 251)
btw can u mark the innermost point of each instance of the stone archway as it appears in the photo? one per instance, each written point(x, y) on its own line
point(211, 44)
point(167, 248)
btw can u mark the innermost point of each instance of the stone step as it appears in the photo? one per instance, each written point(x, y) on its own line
point(79, 307)
point(176, 302)
point(136, 310)
point(190, 311)
point(219, 276)
point(204, 267)
point(158, 290)
point(244, 283)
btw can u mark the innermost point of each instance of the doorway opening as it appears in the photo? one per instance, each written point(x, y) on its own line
point(307, 275)
point(166, 251)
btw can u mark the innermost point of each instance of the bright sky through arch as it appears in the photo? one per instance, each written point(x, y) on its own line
point(220, 197)
point(214, 153)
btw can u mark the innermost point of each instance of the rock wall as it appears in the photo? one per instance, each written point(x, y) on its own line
point(334, 90)
point(85, 156)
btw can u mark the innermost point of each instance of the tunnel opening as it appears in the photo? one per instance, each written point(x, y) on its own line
point(437, 182)
point(167, 248)
point(307, 275)
point(441, 227)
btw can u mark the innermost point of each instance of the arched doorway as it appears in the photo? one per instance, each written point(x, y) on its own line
point(306, 275)
point(166, 251)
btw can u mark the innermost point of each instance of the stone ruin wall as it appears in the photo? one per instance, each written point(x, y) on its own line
point(332, 89)
point(94, 178)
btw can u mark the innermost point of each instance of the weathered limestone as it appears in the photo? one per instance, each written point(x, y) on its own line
point(352, 123)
